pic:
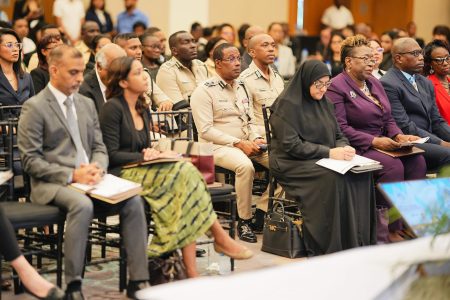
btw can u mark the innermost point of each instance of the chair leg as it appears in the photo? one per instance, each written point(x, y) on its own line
point(59, 254)
point(122, 268)
point(233, 225)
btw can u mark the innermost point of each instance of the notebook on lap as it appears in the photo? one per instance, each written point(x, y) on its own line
point(423, 204)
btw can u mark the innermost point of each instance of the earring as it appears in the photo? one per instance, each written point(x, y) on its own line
point(431, 70)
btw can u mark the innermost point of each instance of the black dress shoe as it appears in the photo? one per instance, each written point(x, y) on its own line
point(245, 232)
point(74, 295)
point(134, 286)
point(6, 285)
point(200, 252)
point(54, 293)
point(258, 221)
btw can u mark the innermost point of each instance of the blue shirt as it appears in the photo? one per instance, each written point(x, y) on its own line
point(126, 21)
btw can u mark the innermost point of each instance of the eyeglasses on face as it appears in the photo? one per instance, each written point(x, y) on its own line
point(12, 45)
point(232, 59)
point(319, 84)
point(414, 53)
point(152, 46)
point(440, 60)
point(379, 49)
point(366, 59)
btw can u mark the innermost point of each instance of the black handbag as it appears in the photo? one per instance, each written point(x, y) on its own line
point(282, 233)
point(166, 268)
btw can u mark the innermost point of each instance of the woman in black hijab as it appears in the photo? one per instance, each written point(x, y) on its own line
point(338, 210)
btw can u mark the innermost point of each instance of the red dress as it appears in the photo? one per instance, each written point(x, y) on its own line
point(442, 97)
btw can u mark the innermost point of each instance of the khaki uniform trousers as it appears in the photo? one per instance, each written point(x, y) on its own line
point(235, 160)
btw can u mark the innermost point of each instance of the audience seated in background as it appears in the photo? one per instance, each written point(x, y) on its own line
point(98, 42)
point(20, 26)
point(223, 115)
point(45, 30)
point(337, 16)
point(323, 44)
point(40, 75)
point(16, 86)
point(179, 76)
point(131, 15)
point(32, 11)
point(96, 80)
point(333, 54)
point(441, 32)
point(413, 102)
point(139, 28)
point(154, 95)
point(285, 60)
point(60, 116)
point(97, 13)
point(377, 52)
point(436, 68)
point(241, 36)
point(176, 192)
point(155, 31)
point(387, 40)
point(227, 32)
point(89, 30)
point(151, 53)
point(246, 59)
point(338, 210)
point(364, 115)
point(411, 29)
point(33, 282)
point(209, 50)
point(263, 83)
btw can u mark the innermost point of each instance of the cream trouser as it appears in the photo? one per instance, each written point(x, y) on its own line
point(235, 160)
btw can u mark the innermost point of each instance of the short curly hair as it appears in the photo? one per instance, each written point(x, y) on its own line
point(351, 43)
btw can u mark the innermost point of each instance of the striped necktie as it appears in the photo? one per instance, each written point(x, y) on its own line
point(74, 132)
point(412, 80)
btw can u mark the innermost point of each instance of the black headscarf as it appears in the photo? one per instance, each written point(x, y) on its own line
point(313, 120)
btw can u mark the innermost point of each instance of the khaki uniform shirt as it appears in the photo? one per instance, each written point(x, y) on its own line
point(177, 81)
point(262, 90)
point(154, 94)
point(223, 113)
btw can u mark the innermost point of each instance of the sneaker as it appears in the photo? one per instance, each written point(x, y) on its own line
point(258, 221)
point(245, 231)
point(134, 286)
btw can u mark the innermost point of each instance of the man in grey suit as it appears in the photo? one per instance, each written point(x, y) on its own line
point(60, 142)
point(413, 102)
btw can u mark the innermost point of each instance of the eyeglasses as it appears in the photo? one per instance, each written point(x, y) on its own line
point(319, 84)
point(232, 59)
point(379, 50)
point(440, 60)
point(11, 45)
point(366, 59)
point(414, 53)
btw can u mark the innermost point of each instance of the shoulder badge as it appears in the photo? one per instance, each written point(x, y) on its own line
point(210, 83)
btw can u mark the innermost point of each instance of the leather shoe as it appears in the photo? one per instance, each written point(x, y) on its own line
point(134, 286)
point(54, 293)
point(245, 232)
point(243, 254)
point(6, 285)
point(74, 295)
point(200, 252)
point(258, 221)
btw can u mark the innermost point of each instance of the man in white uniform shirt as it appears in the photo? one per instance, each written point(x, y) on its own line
point(337, 16)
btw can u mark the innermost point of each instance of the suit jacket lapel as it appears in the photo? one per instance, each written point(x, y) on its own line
point(417, 94)
point(56, 108)
point(5, 83)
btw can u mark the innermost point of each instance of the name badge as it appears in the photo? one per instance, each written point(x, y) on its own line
point(352, 94)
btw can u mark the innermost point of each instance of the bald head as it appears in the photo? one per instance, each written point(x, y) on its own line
point(105, 56)
point(407, 55)
point(402, 45)
point(251, 32)
point(259, 39)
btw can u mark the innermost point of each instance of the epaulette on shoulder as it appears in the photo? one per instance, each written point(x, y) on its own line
point(210, 83)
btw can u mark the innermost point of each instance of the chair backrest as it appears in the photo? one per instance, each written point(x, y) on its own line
point(171, 124)
point(10, 112)
point(266, 116)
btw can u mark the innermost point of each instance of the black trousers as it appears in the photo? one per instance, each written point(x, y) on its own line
point(435, 155)
point(8, 245)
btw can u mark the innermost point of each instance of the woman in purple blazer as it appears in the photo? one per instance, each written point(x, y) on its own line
point(364, 116)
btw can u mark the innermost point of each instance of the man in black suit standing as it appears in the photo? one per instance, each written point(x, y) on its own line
point(413, 102)
point(94, 84)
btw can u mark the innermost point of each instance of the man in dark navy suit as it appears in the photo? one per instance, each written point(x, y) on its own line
point(413, 102)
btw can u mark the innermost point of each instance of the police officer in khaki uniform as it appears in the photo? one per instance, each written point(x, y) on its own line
point(179, 76)
point(223, 115)
point(133, 47)
point(262, 82)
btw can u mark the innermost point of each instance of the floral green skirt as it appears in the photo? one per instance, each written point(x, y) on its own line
point(180, 203)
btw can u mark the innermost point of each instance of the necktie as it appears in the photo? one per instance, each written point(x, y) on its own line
point(412, 79)
point(74, 132)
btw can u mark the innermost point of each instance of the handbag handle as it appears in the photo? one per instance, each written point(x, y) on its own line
point(275, 206)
